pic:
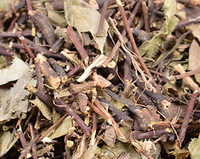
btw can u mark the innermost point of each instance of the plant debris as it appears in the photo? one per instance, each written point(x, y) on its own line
point(99, 79)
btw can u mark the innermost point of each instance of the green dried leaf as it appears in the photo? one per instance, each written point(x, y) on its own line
point(114, 152)
point(14, 72)
point(85, 18)
point(194, 148)
point(65, 127)
point(167, 53)
point(7, 140)
point(15, 103)
point(151, 47)
point(42, 107)
point(4, 5)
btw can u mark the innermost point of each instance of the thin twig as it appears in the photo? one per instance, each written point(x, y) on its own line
point(102, 18)
point(188, 114)
point(52, 127)
point(77, 43)
point(128, 29)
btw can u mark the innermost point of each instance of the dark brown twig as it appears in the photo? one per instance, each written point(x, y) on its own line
point(52, 127)
point(117, 45)
point(77, 43)
point(102, 18)
point(150, 134)
point(130, 35)
point(186, 120)
point(29, 51)
point(68, 109)
point(146, 16)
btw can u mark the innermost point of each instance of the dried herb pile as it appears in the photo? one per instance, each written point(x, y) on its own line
point(87, 79)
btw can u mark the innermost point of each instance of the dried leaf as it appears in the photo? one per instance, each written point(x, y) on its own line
point(194, 58)
point(14, 72)
point(85, 18)
point(7, 140)
point(4, 5)
point(15, 103)
point(65, 127)
point(151, 47)
point(114, 152)
point(42, 107)
point(91, 151)
point(167, 53)
point(194, 148)
point(109, 136)
point(194, 28)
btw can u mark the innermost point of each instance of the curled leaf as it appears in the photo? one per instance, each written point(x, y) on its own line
point(151, 47)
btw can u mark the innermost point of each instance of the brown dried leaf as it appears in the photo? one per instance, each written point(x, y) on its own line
point(145, 116)
point(82, 100)
point(85, 18)
point(194, 58)
point(109, 136)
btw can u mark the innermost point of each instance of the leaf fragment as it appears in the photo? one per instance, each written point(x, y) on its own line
point(85, 18)
point(151, 47)
point(14, 72)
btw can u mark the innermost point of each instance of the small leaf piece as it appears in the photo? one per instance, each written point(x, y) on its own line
point(194, 148)
point(42, 107)
point(14, 103)
point(151, 47)
point(14, 72)
point(194, 58)
point(85, 18)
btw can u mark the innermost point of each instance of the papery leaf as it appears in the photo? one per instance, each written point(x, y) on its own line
point(15, 103)
point(85, 18)
point(7, 140)
point(151, 47)
point(194, 148)
point(14, 72)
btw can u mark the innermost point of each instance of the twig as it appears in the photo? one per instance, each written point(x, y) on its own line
point(79, 121)
point(57, 45)
point(146, 16)
point(29, 6)
point(187, 80)
point(128, 29)
point(102, 18)
point(34, 147)
point(150, 134)
point(29, 51)
point(186, 120)
point(186, 74)
point(6, 52)
point(117, 45)
point(77, 43)
point(52, 127)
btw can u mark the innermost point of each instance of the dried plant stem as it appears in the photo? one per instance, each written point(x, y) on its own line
point(187, 80)
point(29, 51)
point(34, 147)
point(75, 116)
point(186, 74)
point(6, 52)
point(118, 44)
point(102, 18)
point(150, 134)
point(52, 127)
point(77, 43)
point(146, 16)
point(128, 29)
point(186, 120)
